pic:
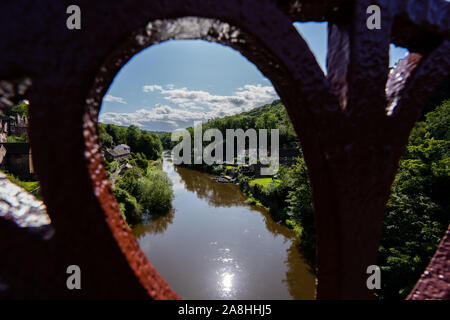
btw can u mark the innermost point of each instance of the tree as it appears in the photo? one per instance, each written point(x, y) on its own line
point(129, 180)
point(106, 139)
point(438, 122)
point(417, 213)
point(155, 192)
point(19, 109)
point(128, 205)
point(117, 133)
point(150, 145)
point(417, 216)
point(301, 209)
point(132, 137)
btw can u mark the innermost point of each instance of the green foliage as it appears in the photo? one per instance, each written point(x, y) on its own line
point(150, 145)
point(106, 139)
point(264, 182)
point(155, 164)
point(252, 201)
point(438, 122)
point(142, 163)
point(267, 121)
point(166, 142)
point(27, 185)
point(117, 133)
point(143, 190)
point(155, 192)
point(113, 166)
point(140, 141)
point(128, 205)
point(133, 134)
point(107, 165)
point(270, 116)
point(20, 109)
point(300, 208)
point(129, 180)
point(22, 138)
point(217, 169)
point(418, 212)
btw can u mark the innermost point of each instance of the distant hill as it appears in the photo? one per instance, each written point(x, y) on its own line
point(269, 116)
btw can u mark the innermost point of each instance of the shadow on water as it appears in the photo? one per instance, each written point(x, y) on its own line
point(212, 245)
point(154, 225)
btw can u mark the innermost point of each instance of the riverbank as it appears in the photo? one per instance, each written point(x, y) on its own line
point(257, 189)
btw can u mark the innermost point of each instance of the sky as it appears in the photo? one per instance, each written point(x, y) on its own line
point(171, 85)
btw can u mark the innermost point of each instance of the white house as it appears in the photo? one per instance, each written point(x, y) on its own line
point(123, 147)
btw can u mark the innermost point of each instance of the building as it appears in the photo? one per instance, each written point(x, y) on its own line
point(20, 125)
point(119, 153)
point(123, 147)
point(12, 126)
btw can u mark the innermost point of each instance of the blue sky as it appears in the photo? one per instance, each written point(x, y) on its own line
point(171, 85)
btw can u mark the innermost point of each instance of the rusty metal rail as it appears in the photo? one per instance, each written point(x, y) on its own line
point(353, 124)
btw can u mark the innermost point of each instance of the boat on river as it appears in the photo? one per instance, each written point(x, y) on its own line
point(224, 179)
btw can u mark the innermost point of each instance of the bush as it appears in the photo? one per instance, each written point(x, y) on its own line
point(22, 138)
point(129, 180)
point(156, 164)
point(113, 166)
point(155, 192)
point(217, 169)
point(107, 165)
point(231, 171)
point(141, 163)
point(20, 109)
point(129, 206)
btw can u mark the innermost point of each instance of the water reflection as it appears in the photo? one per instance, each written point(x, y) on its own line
point(298, 276)
point(226, 285)
point(154, 225)
point(227, 271)
point(217, 194)
point(214, 246)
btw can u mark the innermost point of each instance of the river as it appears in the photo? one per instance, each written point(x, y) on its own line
point(212, 245)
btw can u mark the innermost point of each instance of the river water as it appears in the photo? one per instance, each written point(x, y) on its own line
point(212, 245)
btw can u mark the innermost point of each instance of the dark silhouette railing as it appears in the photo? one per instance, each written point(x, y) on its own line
point(353, 124)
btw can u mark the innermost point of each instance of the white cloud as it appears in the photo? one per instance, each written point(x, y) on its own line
point(162, 118)
point(151, 88)
point(186, 106)
point(110, 98)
